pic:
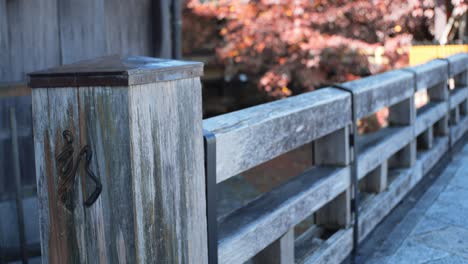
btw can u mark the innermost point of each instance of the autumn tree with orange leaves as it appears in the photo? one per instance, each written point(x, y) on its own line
point(291, 46)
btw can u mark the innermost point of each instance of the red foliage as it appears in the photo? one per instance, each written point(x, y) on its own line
point(291, 46)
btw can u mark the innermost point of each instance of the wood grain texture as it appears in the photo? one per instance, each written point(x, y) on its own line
point(168, 173)
point(82, 29)
point(33, 32)
point(426, 139)
point(337, 213)
point(457, 131)
point(104, 126)
point(61, 228)
point(375, 92)
point(134, 21)
point(333, 149)
point(4, 42)
point(378, 147)
point(458, 63)
point(376, 207)
point(279, 252)
point(457, 96)
point(254, 135)
point(334, 250)
point(429, 158)
point(376, 181)
point(428, 115)
point(402, 113)
point(430, 74)
point(253, 227)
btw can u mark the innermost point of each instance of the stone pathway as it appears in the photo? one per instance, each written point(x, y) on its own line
point(434, 230)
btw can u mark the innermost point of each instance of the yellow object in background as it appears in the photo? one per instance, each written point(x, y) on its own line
point(422, 54)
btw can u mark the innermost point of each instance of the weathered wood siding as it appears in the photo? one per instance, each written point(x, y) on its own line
point(36, 35)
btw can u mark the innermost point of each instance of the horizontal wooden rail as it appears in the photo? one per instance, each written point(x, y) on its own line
point(375, 92)
point(390, 162)
point(255, 135)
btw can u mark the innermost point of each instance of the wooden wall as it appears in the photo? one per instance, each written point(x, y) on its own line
point(35, 35)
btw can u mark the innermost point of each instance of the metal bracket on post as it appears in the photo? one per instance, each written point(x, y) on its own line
point(211, 196)
point(354, 175)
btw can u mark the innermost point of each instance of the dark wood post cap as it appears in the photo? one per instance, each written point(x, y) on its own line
point(115, 71)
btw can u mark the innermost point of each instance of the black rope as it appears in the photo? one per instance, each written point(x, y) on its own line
point(354, 175)
point(67, 172)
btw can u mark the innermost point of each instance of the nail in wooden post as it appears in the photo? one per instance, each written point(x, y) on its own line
point(279, 252)
point(142, 119)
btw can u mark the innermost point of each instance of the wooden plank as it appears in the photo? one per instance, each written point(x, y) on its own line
point(425, 140)
point(167, 171)
point(458, 63)
point(402, 113)
point(60, 224)
point(337, 213)
point(4, 42)
point(333, 149)
point(334, 250)
point(429, 158)
point(405, 157)
point(257, 134)
point(376, 181)
point(457, 131)
point(109, 234)
point(430, 74)
point(279, 252)
point(134, 21)
point(454, 116)
point(253, 227)
point(82, 29)
point(441, 127)
point(438, 93)
point(378, 206)
point(375, 92)
point(428, 115)
point(457, 96)
point(33, 32)
point(377, 147)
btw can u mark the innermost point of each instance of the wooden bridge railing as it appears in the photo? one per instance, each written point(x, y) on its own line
point(141, 118)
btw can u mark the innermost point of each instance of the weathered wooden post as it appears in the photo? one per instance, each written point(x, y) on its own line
point(134, 126)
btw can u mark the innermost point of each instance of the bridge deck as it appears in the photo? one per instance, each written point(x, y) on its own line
point(430, 226)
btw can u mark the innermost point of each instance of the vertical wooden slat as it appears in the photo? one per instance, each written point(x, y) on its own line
point(441, 127)
point(168, 172)
point(279, 252)
point(134, 21)
point(337, 213)
point(61, 228)
point(438, 92)
point(33, 37)
point(333, 149)
point(82, 29)
point(104, 127)
point(403, 114)
point(376, 181)
point(4, 42)
point(426, 139)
